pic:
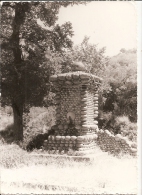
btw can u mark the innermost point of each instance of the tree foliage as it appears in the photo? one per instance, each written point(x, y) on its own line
point(93, 58)
point(30, 53)
point(121, 76)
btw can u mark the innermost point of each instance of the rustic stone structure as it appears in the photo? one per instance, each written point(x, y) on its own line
point(76, 131)
point(76, 113)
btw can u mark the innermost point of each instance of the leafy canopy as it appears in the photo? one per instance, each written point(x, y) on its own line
point(93, 58)
point(31, 53)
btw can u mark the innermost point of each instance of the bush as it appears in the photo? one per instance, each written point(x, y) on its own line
point(130, 131)
point(121, 100)
point(126, 128)
point(40, 122)
point(106, 121)
point(37, 141)
point(120, 125)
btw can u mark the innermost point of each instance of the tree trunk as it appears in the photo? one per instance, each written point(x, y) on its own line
point(18, 121)
point(18, 95)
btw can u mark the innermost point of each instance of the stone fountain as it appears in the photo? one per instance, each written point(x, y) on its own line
point(76, 112)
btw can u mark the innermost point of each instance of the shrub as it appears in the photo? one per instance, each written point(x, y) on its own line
point(120, 125)
point(8, 133)
point(107, 120)
point(121, 99)
point(37, 141)
point(40, 122)
point(126, 128)
point(130, 131)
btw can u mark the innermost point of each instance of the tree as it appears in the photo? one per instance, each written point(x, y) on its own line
point(93, 58)
point(30, 53)
point(121, 76)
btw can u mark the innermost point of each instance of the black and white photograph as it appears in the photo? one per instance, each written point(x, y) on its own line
point(70, 120)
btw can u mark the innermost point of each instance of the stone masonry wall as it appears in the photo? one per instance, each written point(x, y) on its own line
point(70, 102)
point(80, 145)
point(115, 144)
point(90, 108)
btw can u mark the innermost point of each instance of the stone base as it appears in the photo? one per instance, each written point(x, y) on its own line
point(70, 145)
point(85, 157)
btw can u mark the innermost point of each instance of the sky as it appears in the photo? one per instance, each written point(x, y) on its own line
point(110, 24)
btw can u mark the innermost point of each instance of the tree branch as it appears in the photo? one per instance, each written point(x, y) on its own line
point(8, 4)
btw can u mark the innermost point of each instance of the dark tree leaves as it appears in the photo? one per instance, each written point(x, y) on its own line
point(25, 46)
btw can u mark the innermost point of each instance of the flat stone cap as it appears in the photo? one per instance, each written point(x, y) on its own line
point(77, 76)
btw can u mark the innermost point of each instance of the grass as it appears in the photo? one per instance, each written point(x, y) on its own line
point(22, 172)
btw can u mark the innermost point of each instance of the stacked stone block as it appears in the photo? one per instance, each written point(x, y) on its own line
point(76, 113)
point(69, 101)
point(89, 109)
point(71, 145)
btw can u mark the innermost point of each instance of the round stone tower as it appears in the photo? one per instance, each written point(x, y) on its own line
point(76, 112)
